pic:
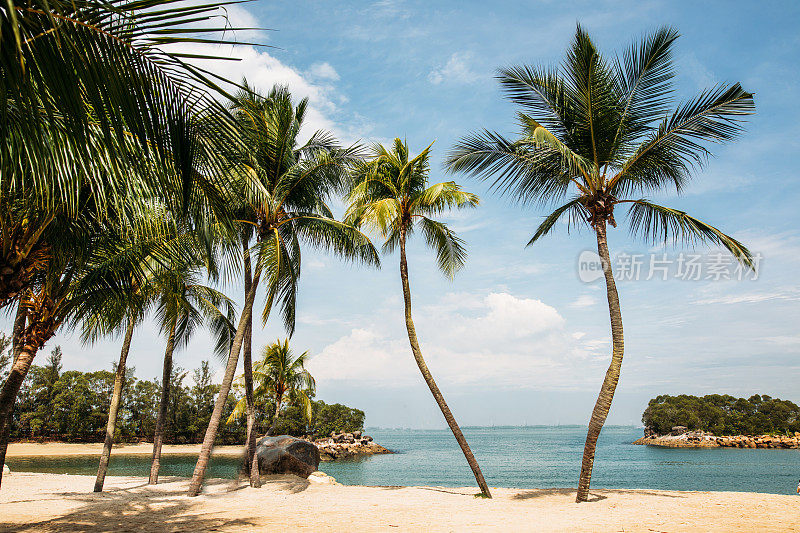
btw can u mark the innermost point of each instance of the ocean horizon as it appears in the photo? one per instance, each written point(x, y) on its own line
point(524, 457)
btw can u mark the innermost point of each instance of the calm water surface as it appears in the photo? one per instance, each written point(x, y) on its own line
point(521, 457)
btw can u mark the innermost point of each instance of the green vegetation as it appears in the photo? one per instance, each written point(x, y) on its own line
point(72, 406)
point(280, 378)
point(600, 133)
point(325, 419)
point(722, 414)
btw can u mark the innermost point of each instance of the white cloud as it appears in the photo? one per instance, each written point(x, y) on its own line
point(791, 294)
point(264, 70)
point(323, 71)
point(495, 340)
point(457, 69)
point(583, 301)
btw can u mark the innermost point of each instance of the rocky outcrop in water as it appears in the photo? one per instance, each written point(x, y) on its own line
point(348, 445)
point(700, 439)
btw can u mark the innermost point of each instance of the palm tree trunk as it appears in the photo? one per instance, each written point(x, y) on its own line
point(426, 374)
point(250, 445)
point(16, 346)
point(603, 404)
point(116, 398)
point(222, 397)
point(158, 436)
point(271, 430)
point(8, 394)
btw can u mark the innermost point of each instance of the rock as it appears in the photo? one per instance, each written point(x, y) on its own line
point(287, 455)
point(679, 430)
point(356, 434)
point(6, 469)
point(322, 478)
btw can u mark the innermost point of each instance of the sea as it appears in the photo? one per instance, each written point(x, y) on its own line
point(516, 457)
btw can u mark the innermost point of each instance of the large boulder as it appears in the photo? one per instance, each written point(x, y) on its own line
point(287, 455)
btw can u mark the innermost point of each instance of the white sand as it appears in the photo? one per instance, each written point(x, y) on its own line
point(54, 502)
point(18, 449)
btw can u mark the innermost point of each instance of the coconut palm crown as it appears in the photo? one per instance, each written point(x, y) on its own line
point(600, 133)
point(391, 194)
point(280, 377)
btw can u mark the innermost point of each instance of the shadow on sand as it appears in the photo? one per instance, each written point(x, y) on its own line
point(148, 508)
point(541, 493)
point(593, 497)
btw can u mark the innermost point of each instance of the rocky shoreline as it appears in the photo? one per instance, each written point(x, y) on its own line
point(348, 445)
point(682, 438)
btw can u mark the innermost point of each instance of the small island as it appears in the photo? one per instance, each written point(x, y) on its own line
point(717, 420)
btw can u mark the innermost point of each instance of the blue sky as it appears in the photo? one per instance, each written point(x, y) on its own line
point(517, 338)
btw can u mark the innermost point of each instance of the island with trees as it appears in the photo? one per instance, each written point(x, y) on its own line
point(721, 420)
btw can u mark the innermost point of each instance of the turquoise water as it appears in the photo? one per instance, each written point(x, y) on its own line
point(522, 457)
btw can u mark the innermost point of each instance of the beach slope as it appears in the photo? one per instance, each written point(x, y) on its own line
point(58, 502)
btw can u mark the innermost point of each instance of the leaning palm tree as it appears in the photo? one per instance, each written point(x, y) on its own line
point(97, 113)
point(72, 288)
point(94, 327)
point(281, 378)
point(391, 194)
point(283, 186)
point(183, 306)
point(602, 132)
point(16, 336)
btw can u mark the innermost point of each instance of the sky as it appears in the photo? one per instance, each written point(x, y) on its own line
point(519, 336)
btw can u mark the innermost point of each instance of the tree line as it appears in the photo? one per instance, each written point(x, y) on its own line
point(72, 406)
point(722, 414)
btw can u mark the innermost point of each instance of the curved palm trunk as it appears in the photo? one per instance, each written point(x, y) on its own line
point(250, 444)
point(13, 383)
point(222, 397)
point(603, 404)
point(158, 436)
point(16, 346)
point(426, 374)
point(41, 324)
point(271, 430)
point(113, 409)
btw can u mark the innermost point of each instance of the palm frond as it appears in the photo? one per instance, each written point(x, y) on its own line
point(574, 209)
point(451, 253)
point(659, 224)
point(519, 170)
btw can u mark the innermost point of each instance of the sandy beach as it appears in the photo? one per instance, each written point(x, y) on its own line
point(57, 502)
point(20, 449)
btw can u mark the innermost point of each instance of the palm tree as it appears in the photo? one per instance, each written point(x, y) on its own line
point(391, 194)
point(183, 305)
point(16, 336)
point(281, 378)
point(116, 401)
point(283, 186)
point(98, 116)
point(604, 130)
point(93, 97)
point(73, 288)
